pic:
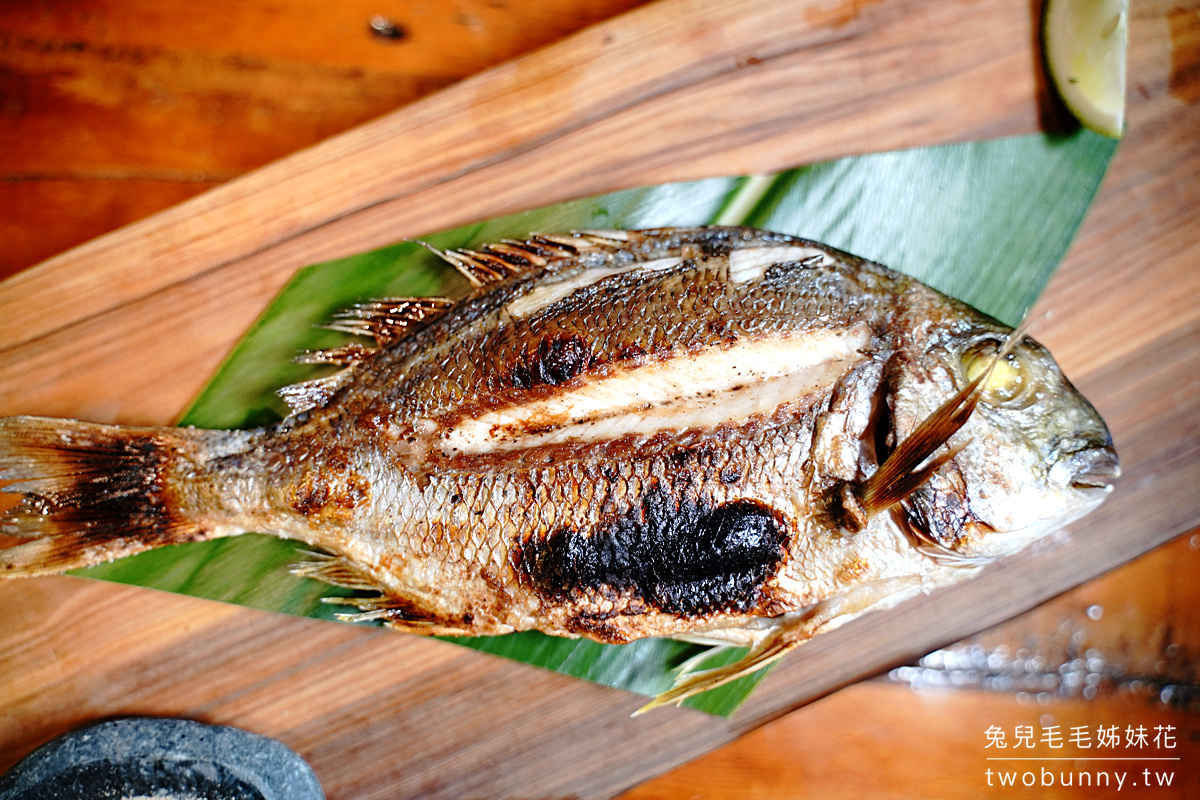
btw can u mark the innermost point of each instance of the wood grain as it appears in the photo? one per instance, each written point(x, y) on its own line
point(666, 92)
point(114, 110)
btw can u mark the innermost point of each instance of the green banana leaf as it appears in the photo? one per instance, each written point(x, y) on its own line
point(984, 222)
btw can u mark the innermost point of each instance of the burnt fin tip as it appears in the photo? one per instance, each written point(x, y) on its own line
point(508, 258)
point(307, 395)
point(387, 319)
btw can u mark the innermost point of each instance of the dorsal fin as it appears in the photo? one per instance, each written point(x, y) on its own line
point(314, 393)
point(508, 258)
point(384, 320)
point(583, 242)
point(480, 268)
point(344, 356)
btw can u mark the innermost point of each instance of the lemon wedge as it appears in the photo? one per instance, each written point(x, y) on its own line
point(1085, 43)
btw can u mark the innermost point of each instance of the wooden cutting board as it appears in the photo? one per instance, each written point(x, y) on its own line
point(128, 327)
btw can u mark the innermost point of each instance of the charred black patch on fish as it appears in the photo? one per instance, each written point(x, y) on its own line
point(679, 556)
point(555, 360)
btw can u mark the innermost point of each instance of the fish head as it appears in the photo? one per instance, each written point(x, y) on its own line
point(1032, 456)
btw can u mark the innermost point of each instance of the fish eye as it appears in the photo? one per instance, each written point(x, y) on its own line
point(1010, 383)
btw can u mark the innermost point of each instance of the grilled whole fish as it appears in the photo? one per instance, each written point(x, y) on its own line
point(719, 434)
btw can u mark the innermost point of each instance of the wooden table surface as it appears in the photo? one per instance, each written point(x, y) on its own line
point(113, 110)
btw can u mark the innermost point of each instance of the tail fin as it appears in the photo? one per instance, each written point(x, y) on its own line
point(92, 493)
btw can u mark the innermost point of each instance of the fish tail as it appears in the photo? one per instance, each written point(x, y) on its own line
point(91, 493)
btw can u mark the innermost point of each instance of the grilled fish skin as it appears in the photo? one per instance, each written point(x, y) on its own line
point(674, 432)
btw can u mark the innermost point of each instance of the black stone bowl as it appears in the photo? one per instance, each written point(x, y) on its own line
point(162, 759)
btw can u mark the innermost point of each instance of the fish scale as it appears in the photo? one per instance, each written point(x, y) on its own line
point(723, 434)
